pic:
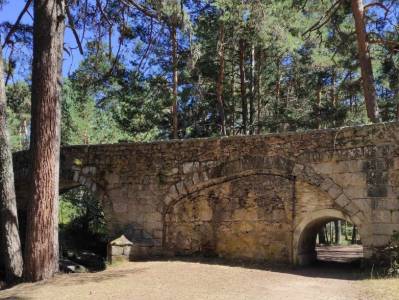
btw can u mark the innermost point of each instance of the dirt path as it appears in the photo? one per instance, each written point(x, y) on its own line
point(189, 280)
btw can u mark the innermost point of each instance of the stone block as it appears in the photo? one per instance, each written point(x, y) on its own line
point(342, 200)
point(395, 217)
point(324, 168)
point(298, 170)
point(190, 167)
point(363, 204)
point(385, 229)
point(173, 194)
point(334, 191)
point(167, 200)
point(382, 216)
point(352, 209)
point(181, 188)
point(354, 192)
point(153, 217)
point(116, 250)
point(76, 175)
point(196, 178)
point(326, 184)
point(120, 206)
point(380, 240)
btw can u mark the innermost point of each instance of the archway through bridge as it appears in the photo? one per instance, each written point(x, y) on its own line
point(319, 237)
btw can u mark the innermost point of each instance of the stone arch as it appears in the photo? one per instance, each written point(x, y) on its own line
point(86, 176)
point(234, 210)
point(304, 236)
point(200, 176)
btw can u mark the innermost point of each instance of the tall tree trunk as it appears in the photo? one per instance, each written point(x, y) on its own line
point(10, 241)
point(397, 105)
point(318, 106)
point(365, 62)
point(219, 83)
point(333, 88)
point(337, 227)
point(278, 81)
point(233, 96)
point(244, 105)
point(253, 91)
point(257, 88)
point(173, 39)
point(354, 234)
point(322, 235)
point(42, 251)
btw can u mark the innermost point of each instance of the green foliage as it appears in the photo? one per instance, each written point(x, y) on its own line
point(82, 223)
point(387, 259)
point(18, 114)
point(84, 123)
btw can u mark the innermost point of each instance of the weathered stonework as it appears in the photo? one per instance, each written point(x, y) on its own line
point(254, 197)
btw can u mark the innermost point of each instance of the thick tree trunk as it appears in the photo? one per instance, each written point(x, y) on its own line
point(41, 251)
point(244, 105)
point(173, 40)
point(219, 83)
point(365, 62)
point(10, 241)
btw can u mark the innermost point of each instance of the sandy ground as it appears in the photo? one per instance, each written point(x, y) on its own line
point(180, 280)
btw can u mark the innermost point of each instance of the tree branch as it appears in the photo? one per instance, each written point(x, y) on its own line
point(324, 19)
point(16, 24)
point(72, 26)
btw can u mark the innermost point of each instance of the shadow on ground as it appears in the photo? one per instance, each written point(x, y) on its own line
point(320, 269)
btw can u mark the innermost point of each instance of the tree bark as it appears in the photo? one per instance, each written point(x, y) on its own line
point(9, 230)
point(219, 83)
point(365, 62)
point(318, 106)
point(333, 88)
point(337, 227)
point(257, 90)
point(244, 105)
point(253, 91)
point(322, 235)
point(173, 39)
point(42, 251)
point(233, 96)
point(354, 234)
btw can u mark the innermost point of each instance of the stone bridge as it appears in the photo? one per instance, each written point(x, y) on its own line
point(260, 198)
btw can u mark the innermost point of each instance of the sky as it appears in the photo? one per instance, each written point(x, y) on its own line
point(10, 12)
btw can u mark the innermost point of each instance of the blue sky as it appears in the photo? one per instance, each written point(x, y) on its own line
point(10, 12)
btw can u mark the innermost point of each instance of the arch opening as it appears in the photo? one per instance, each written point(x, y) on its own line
point(82, 230)
point(328, 237)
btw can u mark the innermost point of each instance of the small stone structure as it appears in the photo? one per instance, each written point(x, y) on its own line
point(119, 249)
point(261, 197)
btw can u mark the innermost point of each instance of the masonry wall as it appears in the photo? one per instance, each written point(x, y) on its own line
point(241, 196)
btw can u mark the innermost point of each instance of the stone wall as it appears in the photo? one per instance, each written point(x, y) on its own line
point(252, 197)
